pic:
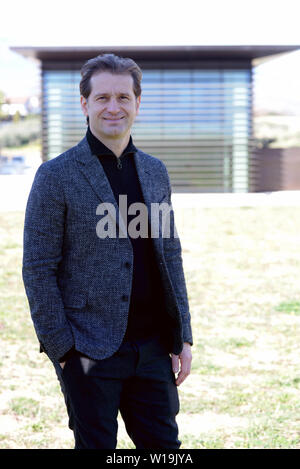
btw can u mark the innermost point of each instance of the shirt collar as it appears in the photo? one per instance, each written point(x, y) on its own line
point(98, 148)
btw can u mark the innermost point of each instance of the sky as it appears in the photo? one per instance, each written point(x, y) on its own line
point(159, 22)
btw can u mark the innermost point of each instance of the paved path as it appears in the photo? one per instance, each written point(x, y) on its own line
point(14, 190)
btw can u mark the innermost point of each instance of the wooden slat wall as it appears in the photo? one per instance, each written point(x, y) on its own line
point(276, 169)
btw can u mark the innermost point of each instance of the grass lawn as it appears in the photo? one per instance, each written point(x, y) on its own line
point(242, 270)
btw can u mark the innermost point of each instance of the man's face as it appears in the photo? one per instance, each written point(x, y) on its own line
point(111, 106)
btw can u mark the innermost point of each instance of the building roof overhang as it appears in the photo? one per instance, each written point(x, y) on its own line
point(157, 53)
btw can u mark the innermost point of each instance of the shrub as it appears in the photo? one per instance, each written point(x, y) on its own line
point(15, 134)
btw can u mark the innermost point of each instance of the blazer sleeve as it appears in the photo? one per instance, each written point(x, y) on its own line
point(42, 253)
point(173, 258)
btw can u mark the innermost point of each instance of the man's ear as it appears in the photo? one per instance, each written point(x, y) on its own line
point(138, 102)
point(83, 102)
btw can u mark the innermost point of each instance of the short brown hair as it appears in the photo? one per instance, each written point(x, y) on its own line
point(113, 64)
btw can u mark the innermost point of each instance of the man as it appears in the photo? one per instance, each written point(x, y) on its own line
point(111, 312)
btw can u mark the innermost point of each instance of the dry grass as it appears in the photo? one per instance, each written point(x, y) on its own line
point(242, 271)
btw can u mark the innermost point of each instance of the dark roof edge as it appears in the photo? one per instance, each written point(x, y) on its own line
point(44, 53)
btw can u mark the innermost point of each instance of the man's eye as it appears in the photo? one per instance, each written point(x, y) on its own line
point(124, 97)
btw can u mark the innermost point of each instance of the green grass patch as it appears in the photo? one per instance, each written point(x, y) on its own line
point(25, 406)
point(292, 307)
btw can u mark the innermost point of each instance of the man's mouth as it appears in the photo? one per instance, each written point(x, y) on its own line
point(113, 119)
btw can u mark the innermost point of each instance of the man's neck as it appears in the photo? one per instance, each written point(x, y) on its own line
point(117, 146)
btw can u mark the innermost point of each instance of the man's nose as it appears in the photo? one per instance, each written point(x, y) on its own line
point(113, 105)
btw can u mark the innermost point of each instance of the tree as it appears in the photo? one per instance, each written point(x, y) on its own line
point(2, 101)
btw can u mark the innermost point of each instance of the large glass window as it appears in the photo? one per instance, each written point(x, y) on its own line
point(197, 121)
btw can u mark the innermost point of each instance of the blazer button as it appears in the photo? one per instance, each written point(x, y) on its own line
point(127, 264)
point(125, 298)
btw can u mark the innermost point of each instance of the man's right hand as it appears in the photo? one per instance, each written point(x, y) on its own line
point(66, 356)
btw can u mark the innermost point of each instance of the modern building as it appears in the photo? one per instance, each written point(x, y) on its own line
point(196, 111)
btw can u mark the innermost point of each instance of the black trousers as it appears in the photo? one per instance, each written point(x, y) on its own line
point(138, 380)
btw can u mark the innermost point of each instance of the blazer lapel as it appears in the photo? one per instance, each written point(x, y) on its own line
point(151, 189)
point(95, 174)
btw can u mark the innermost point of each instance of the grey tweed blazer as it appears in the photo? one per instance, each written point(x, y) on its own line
point(77, 285)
